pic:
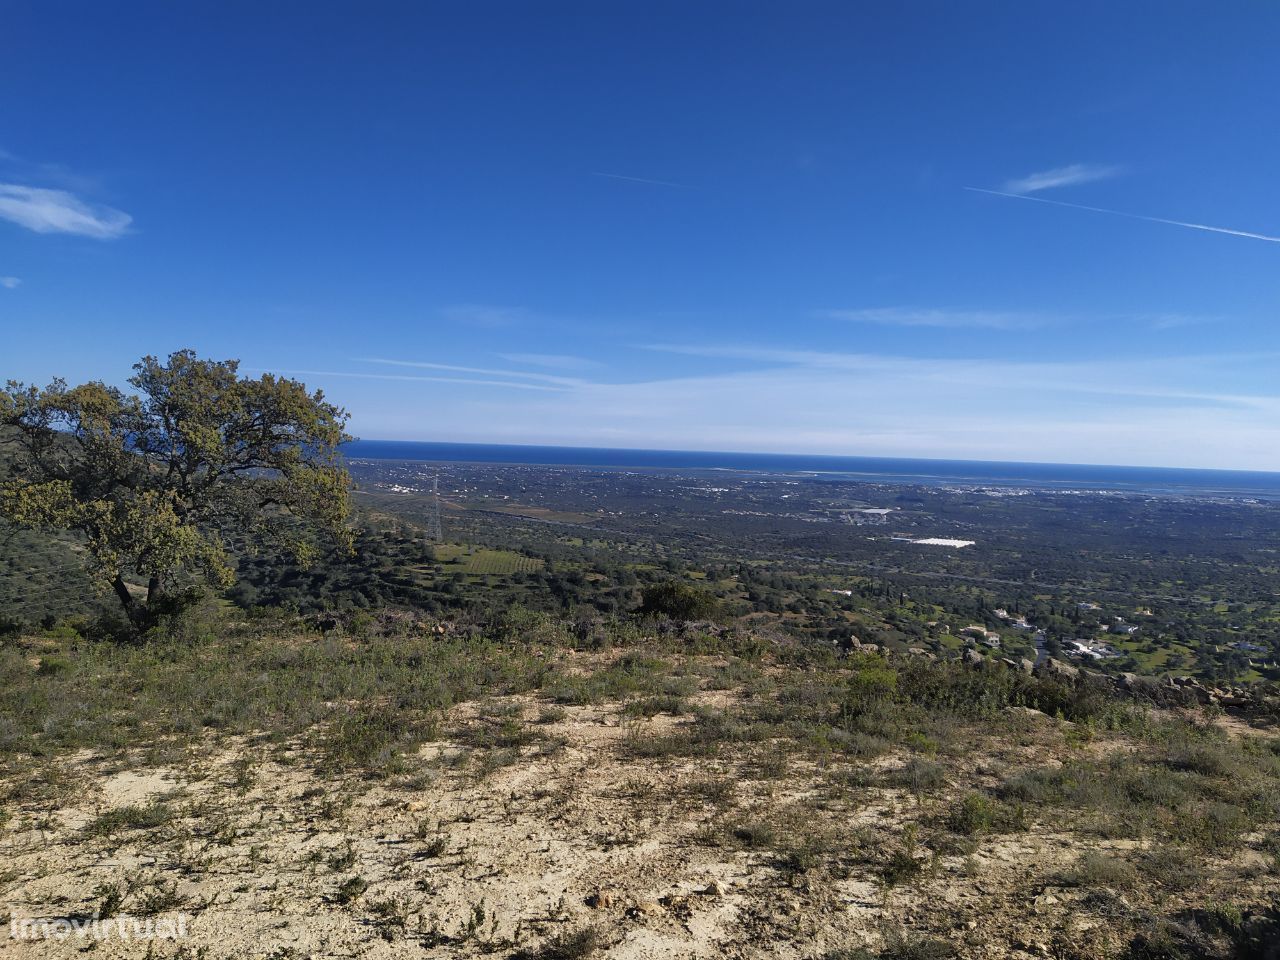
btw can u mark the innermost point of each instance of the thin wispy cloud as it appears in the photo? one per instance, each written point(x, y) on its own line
point(1131, 216)
point(956, 319)
point(1147, 381)
point(656, 183)
point(483, 315)
point(1060, 177)
point(484, 371)
point(10, 283)
point(556, 361)
point(55, 175)
point(1075, 374)
point(58, 211)
point(1119, 410)
point(356, 375)
point(1177, 321)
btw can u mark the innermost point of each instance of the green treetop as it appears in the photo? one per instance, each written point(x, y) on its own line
point(155, 481)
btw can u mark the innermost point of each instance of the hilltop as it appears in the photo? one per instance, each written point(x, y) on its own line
point(529, 786)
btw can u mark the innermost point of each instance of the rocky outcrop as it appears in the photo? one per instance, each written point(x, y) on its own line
point(1252, 699)
point(1056, 668)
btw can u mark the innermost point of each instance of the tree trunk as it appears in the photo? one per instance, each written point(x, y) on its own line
point(153, 591)
point(132, 609)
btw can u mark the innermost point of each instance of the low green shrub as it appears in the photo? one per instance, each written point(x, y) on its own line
point(976, 814)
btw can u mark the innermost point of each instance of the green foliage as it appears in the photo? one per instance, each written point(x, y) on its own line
point(158, 896)
point(110, 897)
point(905, 947)
point(1095, 869)
point(52, 665)
point(921, 776)
point(351, 889)
point(575, 945)
point(1217, 931)
point(391, 688)
point(1174, 789)
point(368, 739)
point(129, 818)
point(978, 814)
point(153, 482)
point(678, 601)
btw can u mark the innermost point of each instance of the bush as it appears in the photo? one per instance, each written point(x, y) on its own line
point(978, 814)
point(129, 818)
point(920, 776)
point(53, 665)
point(1095, 869)
point(906, 947)
point(755, 834)
point(569, 946)
point(678, 601)
point(351, 889)
point(1215, 932)
point(369, 739)
point(12, 627)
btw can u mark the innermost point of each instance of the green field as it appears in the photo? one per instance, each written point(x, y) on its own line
point(478, 561)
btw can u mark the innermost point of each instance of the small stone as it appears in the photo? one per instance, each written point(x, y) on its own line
point(646, 908)
point(1044, 902)
point(678, 905)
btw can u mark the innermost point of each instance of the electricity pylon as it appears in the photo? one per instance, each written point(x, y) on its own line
point(437, 533)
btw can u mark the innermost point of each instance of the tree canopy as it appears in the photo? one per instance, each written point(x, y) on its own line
point(679, 601)
point(156, 481)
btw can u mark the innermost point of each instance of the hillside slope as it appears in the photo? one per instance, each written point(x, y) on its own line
point(539, 788)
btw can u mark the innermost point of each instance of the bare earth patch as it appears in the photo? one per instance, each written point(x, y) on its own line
point(528, 830)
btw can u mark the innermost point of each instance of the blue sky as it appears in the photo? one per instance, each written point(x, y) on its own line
point(744, 226)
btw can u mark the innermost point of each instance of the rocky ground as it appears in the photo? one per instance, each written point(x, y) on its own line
point(531, 829)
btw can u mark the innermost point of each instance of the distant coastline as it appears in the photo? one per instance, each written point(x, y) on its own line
point(1168, 480)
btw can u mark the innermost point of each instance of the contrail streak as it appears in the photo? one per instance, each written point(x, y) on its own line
point(1131, 216)
point(392, 376)
point(658, 183)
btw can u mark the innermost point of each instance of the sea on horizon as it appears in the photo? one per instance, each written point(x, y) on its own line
point(1235, 483)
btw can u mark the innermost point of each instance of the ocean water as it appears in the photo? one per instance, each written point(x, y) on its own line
point(1235, 483)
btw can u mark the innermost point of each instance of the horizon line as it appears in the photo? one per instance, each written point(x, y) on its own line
point(821, 456)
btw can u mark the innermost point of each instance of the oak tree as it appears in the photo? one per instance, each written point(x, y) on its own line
point(156, 482)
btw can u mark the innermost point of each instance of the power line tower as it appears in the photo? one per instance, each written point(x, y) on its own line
point(437, 533)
